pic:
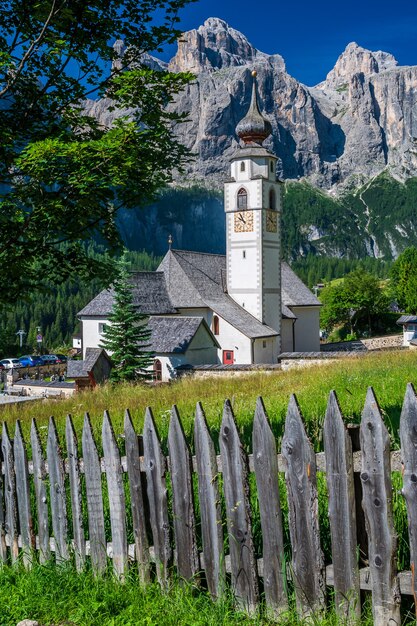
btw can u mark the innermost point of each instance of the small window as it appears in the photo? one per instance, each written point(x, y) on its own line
point(271, 166)
point(264, 344)
point(242, 199)
point(101, 328)
point(242, 166)
point(272, 200)
point(215, 325)
point(244, 254)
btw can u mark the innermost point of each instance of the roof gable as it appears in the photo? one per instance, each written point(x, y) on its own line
point(174, 334)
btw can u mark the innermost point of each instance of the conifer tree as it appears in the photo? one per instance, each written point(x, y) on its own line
point(127, 336)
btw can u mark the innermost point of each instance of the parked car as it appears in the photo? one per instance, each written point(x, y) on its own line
point(31, 361)
point(61, 358)
point(10, 364)
point(50, 359)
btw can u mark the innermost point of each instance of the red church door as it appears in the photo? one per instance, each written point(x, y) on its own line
point(228, 357)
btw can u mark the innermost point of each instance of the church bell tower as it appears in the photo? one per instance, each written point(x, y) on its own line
point(253, 221)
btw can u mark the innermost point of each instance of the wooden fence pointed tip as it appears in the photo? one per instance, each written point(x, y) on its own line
point(410, 393)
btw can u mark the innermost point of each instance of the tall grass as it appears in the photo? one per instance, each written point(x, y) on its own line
point(387, 372)
point(58, 595)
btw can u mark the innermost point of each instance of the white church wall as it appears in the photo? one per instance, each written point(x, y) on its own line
point(232, 339)
point(287, 335)
point(265, 350)
point(307, 327)
point(92, 332)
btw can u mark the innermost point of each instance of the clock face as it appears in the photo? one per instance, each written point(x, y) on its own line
point(243, 221)
point(271, 221)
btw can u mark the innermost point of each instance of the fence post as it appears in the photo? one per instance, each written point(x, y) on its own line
point(155, 464)
point(209, 499)
point(377, 503)
point(76, 494)
point(266, 471)
point(187, 559)
point(300, 476)
point(137, 499)
point(23, 496)
point(408, 436)
point(40, 482)
point(341, 489)
point(239, 523)
point(92, 473)
point(58, 493)
point(11, 522)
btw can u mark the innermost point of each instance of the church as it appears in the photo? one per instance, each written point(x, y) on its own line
point(247, 307)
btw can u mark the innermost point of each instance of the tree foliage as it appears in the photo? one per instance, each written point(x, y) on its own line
point(63, 176)
point(355, 302)
point(126, 337)
point(404, 280)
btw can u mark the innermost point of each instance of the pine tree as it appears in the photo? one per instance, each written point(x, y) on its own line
point(127, 336)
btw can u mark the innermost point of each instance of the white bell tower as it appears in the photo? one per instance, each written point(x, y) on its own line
point(253, 222)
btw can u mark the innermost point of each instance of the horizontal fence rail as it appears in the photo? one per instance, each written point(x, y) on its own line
point(194, 514)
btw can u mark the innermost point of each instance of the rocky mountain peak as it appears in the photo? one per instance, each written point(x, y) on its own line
point(355, 60)
point(214, 45)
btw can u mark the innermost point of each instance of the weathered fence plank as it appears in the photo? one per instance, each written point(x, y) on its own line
point(300, 476)
point(57, 492)
point(209, 500)
point(76, 493)
point(92, 472)
point(187, 559)
point(155, 467)
point(239, 524)
point(341, 490)
point(137, 499)
point(266, 472)
point(408, 437)
point(23, 496)
point(11, 521)
point(116, 493)
point(377, 504)
point(3, 547)
point(40, 480)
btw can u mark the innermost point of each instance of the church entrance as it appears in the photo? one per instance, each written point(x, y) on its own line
point(157, 370)
point(228, 357)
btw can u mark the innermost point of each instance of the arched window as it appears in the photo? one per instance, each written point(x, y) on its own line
point(242, 166)
point(242, 199)
point(272, 199)
point(157, 370)
point(271, 166)
point(215, 325)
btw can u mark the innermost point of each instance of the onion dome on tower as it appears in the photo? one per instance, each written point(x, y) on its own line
point(253, 128)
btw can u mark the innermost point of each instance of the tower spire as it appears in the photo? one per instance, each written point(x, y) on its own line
point(253, 128)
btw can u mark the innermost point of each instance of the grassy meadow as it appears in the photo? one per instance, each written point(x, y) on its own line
point(387, 372)
point(58, 595)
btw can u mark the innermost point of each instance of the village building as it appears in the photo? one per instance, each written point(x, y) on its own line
point(94, 369)
point(409, 324)
point(245, 307)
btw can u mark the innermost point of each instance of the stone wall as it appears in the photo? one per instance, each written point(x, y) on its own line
point(379, 343)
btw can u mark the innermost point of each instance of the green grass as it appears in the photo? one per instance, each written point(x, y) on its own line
point(53, 595)
point(387, 372)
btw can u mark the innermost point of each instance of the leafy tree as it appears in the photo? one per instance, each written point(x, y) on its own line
point(355, 301)
point(63, 176)
point(404, 280)
point(127, 336)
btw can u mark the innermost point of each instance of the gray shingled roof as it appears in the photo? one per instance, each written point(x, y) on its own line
point(81, 369)
point(294, 291)
point(174, 334)
point(149, 294)
point(196, 279)
point(407, 319)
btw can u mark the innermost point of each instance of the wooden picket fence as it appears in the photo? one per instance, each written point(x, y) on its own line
point(41, 489)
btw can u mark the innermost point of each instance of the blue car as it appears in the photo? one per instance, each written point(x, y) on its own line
point(31, 361)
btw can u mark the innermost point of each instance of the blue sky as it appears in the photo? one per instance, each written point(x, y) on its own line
point(311, 35)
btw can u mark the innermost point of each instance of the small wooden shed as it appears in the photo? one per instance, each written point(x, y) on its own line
point(92, 370)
